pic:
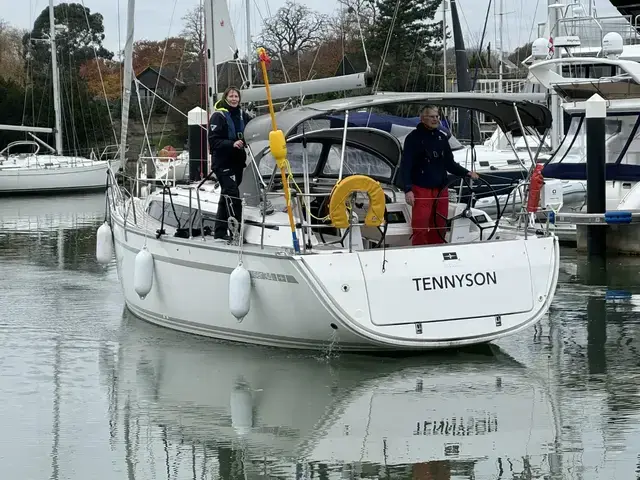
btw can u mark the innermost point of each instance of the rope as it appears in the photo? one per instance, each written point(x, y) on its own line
point(241, 236)
point(106, 197)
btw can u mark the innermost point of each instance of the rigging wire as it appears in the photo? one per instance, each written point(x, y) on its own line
point(164, 53)
point(95, 54)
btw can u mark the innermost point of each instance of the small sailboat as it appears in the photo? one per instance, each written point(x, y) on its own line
point(37, 172)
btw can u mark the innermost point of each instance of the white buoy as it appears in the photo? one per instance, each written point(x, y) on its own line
point(241, 410)
point(104, 244)
point(239, 292)
point(143, 273)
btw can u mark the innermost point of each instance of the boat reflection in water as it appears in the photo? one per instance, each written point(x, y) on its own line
point(204, 409)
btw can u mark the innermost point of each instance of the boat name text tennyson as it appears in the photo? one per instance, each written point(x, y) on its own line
point(443, 282)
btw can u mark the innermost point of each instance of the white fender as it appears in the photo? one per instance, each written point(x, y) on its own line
point(239, 292)
point(104, 244)
point(241, 410)
point(143, 273)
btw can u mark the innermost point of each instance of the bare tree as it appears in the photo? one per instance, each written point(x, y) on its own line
point(294, 29)
point(352, 21)
point(193, 31)
point(11, 58)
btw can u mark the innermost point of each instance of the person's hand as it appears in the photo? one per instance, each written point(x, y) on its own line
point(238, 144)
point(410, 198)
point(474, 175)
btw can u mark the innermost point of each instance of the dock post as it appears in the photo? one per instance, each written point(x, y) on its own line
point(198, 161)
point(596, 113)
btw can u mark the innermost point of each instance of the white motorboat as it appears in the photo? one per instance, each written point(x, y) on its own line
point(569, 162)
point(364, 284)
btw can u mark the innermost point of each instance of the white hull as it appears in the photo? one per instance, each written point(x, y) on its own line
point(309, 301)
point(45, 176)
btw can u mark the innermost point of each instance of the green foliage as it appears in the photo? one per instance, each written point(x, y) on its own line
point(12, 99)
point(75, 41)
point(85, 121)
point(415, 45)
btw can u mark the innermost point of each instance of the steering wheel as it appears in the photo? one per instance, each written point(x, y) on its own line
point(466, 213)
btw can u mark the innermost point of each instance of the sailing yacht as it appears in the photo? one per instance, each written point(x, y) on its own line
point(354, 277)
point(51, 171)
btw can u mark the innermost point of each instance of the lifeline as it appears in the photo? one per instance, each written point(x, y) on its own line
point(455, 281)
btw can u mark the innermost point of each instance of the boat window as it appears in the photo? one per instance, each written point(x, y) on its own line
point(613, 126)
point(311, 125)
point(356, 162)
point(574, 143)
point(294, 155)
point(616, 142)
point(595, 71)
point(574, 147)
point(631, 135)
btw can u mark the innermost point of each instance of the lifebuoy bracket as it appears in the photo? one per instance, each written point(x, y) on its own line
point(357, 183)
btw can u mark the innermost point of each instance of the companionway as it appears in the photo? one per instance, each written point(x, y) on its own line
point(462, 280)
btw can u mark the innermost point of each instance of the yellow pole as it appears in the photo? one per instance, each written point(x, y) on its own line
point(278, 146)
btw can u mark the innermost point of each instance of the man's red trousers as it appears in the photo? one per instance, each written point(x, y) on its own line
point(424, 221)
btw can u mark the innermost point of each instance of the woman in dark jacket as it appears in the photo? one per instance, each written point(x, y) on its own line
point(228, 157)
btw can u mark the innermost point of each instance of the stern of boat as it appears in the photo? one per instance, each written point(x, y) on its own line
point(437, 296)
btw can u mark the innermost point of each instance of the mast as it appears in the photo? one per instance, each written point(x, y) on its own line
point(212, 71)
point(55, 79)
point(462, 76)
point(127, 79)
point(500, 51)
point(553, 17)
point(444, 44)
point(249, 49)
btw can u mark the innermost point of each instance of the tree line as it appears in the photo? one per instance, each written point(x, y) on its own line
point(302, 43)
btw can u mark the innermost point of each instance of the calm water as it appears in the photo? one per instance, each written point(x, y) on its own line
point(87, 391)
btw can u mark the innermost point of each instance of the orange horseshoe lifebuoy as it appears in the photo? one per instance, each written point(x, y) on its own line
point(356, 183)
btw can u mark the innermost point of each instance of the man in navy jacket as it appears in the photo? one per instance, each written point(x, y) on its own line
point(426, 160)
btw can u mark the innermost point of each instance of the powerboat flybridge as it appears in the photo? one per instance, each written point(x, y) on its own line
point(575, 80)
point(353, 277)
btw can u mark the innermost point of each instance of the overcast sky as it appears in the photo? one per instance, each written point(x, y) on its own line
point(154, 17)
